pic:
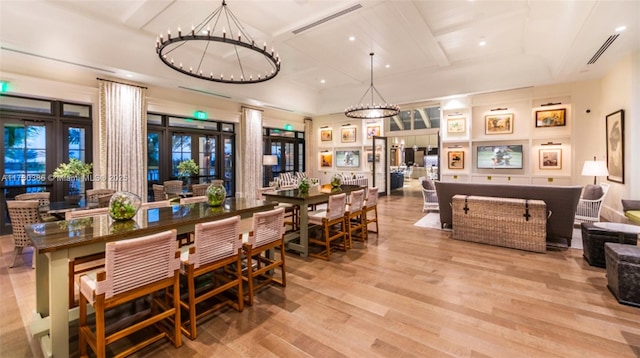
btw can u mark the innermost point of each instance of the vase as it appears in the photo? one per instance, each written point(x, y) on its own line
point(216, 193)
point(124, 205)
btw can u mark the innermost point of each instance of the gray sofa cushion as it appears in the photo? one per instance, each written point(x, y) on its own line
point(630, 205)
point(592, 192)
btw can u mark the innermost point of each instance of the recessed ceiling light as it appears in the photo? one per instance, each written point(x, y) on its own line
point(352, 38)
point(620, 28)
point(482, 43)
point(387, 66)
point(129, 75)
point(322, 81)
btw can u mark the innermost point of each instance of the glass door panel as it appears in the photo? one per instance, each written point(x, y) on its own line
point(180, 151)
point(380, 164)
point(228, 166)
point(207, 158)
point(24, 167)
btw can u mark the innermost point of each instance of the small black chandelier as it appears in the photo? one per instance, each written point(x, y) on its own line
point(191, 53)
point(372, 110)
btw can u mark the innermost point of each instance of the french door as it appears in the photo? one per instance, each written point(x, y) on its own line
point(27, 160)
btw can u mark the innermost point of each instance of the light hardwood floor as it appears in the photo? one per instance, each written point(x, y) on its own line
point(410, 292)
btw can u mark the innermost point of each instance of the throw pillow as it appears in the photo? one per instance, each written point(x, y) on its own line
point(428, 184)
point(592, 192)
point(628, 205)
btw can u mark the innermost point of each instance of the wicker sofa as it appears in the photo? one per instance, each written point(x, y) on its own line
point(561, 202)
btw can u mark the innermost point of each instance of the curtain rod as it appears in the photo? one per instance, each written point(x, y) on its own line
point(122, 83)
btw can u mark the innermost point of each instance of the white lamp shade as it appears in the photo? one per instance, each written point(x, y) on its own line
point(269, 160)
point(595, 168)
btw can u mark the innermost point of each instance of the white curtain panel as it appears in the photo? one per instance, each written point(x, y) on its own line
point(250, 153)
point(311, 152)
point(123, 137)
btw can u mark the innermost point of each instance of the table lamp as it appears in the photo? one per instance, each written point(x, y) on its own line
point(595, 168)
point(269, 160)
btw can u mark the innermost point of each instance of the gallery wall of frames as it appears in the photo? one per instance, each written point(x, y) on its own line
point(501, 140)
point(347, 147)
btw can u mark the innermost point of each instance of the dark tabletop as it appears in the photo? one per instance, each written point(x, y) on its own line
point(52, 236)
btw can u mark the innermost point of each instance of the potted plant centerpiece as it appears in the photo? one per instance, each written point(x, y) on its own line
point(74, 172)
point(186, 169)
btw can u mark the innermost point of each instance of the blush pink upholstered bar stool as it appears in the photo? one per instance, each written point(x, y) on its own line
point(333, 225)
point(135, 268)
point(354, 215)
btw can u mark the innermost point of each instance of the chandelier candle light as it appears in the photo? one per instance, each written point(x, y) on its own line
point(372, 110)
point(196, 49)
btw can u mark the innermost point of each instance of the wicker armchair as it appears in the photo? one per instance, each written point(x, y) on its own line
point(199, 189)
point(429, 195)
point(21, 213)
point(158, 192)
point(43, 199)
point(93, 195)
point(589, 210)
point(173, 188)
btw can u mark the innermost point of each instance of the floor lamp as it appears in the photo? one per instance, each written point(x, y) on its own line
point(269, 160)
point(595, 168)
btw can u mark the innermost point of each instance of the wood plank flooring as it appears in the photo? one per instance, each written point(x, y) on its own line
point(409, 292)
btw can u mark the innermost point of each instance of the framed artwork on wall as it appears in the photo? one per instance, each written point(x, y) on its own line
point(326, 135)
point(615, 146)
point(371, 157)
point(550, 158)
point(498, 123)
point(456, 159)
point(456, 125)
point(326, 160)
point(348, 134)
point(551, 118)
point(373, 131)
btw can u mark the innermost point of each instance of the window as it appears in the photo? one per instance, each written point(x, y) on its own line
point(39, 134)
point(204, 141)
point(288, 146)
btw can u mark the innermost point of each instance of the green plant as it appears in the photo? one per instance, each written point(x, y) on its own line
point(187, 168)
point(75, 169)
point(303, 186)
point(74, 172)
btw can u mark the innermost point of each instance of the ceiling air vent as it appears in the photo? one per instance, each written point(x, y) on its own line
point(56, 59)
point(328, 18)
point(204, 92)
point(602, 49)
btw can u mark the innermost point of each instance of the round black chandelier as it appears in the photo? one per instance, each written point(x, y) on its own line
point(372, 110)
point(195, 53)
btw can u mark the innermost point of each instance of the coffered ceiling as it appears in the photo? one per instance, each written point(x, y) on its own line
point(431, 47)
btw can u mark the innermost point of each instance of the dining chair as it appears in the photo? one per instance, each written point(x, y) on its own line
point(354, 218)
point(216, 245)
point(173, 188)
point(193, 199)
point(21, 213)
point(371, 205)
point(81, 264)
point(135, 268)
point(290, 210)
point(261, 264)
point(158, 192)
point(332, 222)
point(199, 189)
point(44, 199)
point(93, 195)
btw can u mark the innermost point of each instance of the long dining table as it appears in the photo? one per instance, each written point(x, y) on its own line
point(57, 242)
point(299, 241)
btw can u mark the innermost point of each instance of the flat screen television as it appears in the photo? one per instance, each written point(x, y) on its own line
point(348, 158)
point(499, 156)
